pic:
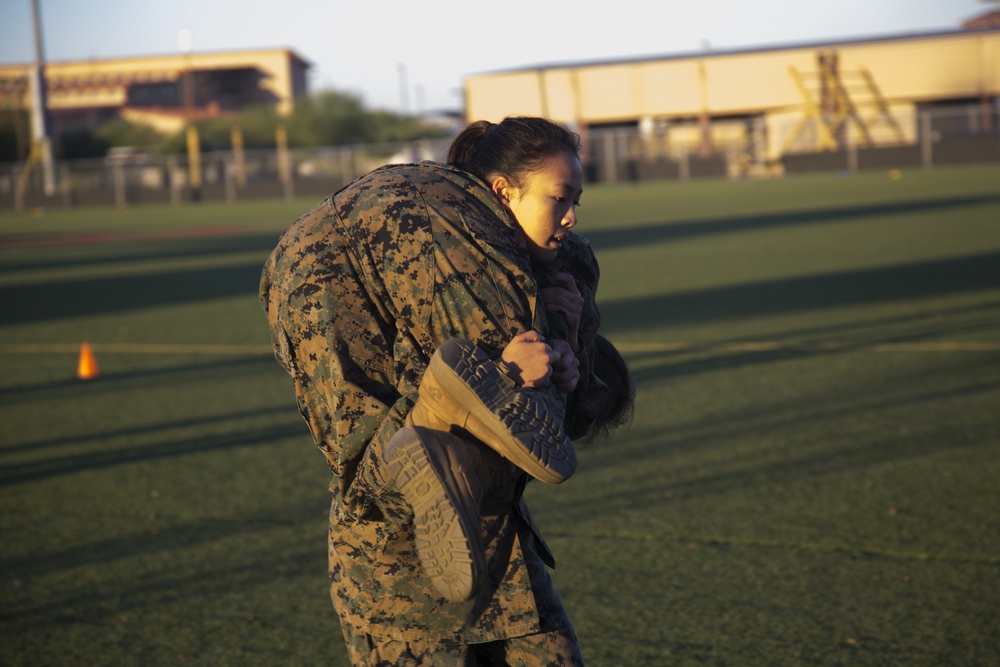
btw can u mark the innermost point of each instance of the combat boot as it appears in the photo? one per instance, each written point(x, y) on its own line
point(463, 388)
point(444, 479)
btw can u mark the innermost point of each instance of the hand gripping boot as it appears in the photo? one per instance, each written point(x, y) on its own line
point(443, 479)
point(463, 388)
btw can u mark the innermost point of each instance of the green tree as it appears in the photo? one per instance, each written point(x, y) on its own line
point(120, 132)
point(327, 118)
point(15, 135)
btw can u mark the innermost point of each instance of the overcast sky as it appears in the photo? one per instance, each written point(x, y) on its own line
point(378, 49)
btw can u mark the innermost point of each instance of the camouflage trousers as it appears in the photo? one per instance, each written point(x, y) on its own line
point(544, 649)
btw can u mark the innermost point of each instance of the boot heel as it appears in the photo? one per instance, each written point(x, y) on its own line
point(446, 538)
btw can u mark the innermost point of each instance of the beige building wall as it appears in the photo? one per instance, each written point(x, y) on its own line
point(906, 71)
point(104, 84)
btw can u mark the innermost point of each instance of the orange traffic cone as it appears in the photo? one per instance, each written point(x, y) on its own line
point(86, 368)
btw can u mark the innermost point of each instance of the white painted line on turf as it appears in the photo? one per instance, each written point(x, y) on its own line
point(769, 346)
point(715, 348)
point(132, 348)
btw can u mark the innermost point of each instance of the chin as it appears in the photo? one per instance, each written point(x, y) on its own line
point(544, 255)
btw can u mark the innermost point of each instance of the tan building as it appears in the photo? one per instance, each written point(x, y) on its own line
point(161, 91)
point(765, 103)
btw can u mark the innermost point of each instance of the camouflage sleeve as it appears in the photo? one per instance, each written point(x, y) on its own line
point(333, 339)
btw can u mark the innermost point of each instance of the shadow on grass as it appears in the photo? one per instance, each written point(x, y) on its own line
point(109, 458)
point(791, 441)
point(133, 249)
point(144, 378)
point(65, 299)
point(640, 235)
point(165, 537)
point(77, 298)
point(147, 429)
point(803, 343)
point(182, 565)
point(971, 273)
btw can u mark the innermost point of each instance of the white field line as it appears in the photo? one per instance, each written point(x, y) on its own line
point(132, 348)
point(769, 346)
point(751, 346)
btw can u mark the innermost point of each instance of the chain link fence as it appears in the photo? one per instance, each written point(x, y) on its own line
point(759, 146)
point(671, 149)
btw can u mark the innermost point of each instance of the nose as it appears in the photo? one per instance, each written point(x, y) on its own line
point(570, 219)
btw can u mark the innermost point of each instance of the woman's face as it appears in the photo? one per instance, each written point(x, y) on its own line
point(545, 206)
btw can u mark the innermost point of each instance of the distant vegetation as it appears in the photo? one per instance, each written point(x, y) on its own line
point(327, 118)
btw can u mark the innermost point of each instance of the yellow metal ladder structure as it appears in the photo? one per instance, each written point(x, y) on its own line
point(830, 105)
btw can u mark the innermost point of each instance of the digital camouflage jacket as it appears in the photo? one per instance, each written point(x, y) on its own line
point(359, 292)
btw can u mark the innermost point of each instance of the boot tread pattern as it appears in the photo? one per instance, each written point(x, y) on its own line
point(544, 450)
point(442, 544)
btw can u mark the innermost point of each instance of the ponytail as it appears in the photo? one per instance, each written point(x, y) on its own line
point(512, 148)
point(465, 143)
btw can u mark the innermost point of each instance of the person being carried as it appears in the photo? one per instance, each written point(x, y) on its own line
point(444, 477)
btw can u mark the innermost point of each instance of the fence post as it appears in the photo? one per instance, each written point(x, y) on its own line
point(284, 162)
point(118, 172)
point(173, 180)
point(685, 165)
point(228, 175)
point(18, 191)
point(236, 135)
point(65, 186)
point(610, 158)
point(194, 162)
point(926, 140)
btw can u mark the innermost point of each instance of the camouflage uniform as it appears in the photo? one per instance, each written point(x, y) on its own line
point(359, 293)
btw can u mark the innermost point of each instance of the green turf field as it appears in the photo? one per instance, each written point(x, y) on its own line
point(812, 478)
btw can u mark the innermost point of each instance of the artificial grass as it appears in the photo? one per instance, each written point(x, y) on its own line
point(799, 486)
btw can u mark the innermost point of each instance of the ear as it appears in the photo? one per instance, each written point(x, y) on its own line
point(503, 189)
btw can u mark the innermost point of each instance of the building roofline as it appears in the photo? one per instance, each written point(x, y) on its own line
point(738, 51)
point(162, 56)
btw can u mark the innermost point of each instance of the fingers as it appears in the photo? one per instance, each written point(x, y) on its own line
point(530, 336)
point(535, 364)
point(566, 371)
point(529, 359)
point(565, 298)
point(567, 281)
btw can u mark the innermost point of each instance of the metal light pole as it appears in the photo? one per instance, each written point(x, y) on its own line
point(39, 108)
point(185, 41)
point(404, 90)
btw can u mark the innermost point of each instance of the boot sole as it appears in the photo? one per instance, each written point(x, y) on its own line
point(444, 536)
point(530, 440)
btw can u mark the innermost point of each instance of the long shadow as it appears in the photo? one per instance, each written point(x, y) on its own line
point(792, 459)
point(34, 471)
point(139, 249)
point(22, 304)
point(621, 237)
point(916, 325)
point(218, 576)
point(879, 285)
point(155, 539)
point(83, 438)
point(694, 361)
point(144, 377)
